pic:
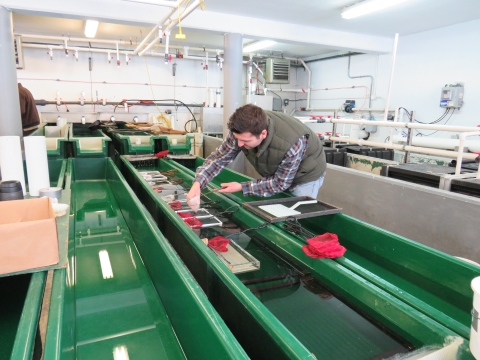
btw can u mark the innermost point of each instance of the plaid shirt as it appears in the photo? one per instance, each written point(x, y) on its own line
point(280, 181)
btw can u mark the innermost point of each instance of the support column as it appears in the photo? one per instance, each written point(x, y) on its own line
point(232, 87)
point(232, 77)
point(10, 117)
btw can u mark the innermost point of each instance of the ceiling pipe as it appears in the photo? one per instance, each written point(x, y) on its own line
point(107, 51)
point(185, 13)
point(158, 2)
point(71, 39)
point(167, 28)
point(156, 28)
point(309, 81)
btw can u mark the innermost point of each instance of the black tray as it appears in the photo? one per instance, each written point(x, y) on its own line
point(307, 210)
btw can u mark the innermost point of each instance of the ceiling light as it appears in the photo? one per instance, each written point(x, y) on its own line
point(105, 264)
point(258, 45)
point(368, 6)
point(91, 28)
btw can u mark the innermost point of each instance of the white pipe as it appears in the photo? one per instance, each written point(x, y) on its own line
point(404, 125)
point(249, 75)
point(287, 90)
point(309, 82)
point(439, 143)
point(463, 136)
point(157, 2)
point(99, 41)
point(354, 109)
point(118, 57)
point(394, 56)
point(154, 41)
point(158, 26)
point(172, 23)
point(185, 13)
point(415, 149)
point(206, 78)
point(167, 42)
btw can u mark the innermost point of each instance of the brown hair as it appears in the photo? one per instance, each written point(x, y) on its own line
point(248, 118)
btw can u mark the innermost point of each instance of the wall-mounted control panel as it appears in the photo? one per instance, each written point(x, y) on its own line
point(452, 96)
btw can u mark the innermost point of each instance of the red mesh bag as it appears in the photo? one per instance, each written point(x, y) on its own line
point(175, 205)
point(324, 246)
point(193, 222)
point(219, 243)
point(184, 215)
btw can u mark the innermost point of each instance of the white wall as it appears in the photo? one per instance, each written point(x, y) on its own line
point(425, 63)
point(124, 82)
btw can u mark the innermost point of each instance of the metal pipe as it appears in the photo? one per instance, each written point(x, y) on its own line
point(363, 76)
point(71, 39)
point(10, 117)
point(415, 149)
point(167, 42)
point(119, 103)
point(158, 26)
point(394, 56)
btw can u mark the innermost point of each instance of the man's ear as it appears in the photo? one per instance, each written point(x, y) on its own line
point(263, 134)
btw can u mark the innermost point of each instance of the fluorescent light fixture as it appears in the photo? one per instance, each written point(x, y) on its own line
point(258, 45)
point(368, 6)
point(120, 353)
point(91, 28)
point(105, 264)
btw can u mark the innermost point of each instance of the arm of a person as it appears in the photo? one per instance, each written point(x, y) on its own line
point(283, 177)
point(221, 157)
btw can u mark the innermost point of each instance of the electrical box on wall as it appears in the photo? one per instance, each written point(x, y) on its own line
point(277, 71)
point(452, 96)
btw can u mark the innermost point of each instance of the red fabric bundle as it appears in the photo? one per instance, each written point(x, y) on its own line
point(219, 243)
point(161, 154)
point(175, 205)
point(193, 222)
point(184, 215)
point(324, 246)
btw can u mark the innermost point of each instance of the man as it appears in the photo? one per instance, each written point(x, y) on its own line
point(28, 109)
point(285, 152)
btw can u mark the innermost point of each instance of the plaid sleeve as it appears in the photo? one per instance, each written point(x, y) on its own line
point(283, 177)
point(221, 157)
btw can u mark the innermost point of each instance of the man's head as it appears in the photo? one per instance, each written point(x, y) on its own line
point(249, 125)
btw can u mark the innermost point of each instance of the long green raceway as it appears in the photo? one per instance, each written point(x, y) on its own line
point(420, 294)
point(150, 306)
point(22, 296)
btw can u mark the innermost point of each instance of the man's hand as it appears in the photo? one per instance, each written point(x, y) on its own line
point(230, 187)
point(194, 191)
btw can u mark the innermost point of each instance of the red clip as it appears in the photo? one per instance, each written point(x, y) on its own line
point(303, 90)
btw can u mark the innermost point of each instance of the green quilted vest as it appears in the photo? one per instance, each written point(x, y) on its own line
point(283, 132)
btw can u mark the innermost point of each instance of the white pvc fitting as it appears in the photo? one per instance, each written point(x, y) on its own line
point(475, 328)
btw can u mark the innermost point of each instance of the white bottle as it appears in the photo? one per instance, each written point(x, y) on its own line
point(112, 118)
point(83, 119)
point(135, 119)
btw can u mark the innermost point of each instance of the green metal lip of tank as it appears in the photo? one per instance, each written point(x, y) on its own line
point(148, 305)
point(408, 314)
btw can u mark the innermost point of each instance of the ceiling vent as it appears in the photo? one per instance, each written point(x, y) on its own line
point(277, 71)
